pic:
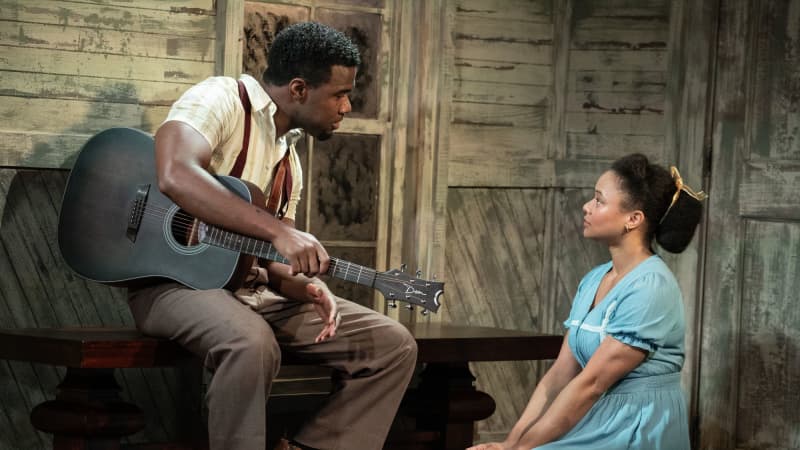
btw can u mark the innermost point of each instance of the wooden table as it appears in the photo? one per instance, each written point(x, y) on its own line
point(89, 413)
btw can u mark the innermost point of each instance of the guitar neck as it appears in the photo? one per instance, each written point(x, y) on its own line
point(338, 268)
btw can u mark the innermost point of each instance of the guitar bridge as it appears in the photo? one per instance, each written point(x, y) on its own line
point(137, 211)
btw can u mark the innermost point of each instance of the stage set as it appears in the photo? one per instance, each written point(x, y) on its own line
point(477, 134)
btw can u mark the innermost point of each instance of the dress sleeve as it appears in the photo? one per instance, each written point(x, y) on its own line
point(210, 108)
point(645, 313)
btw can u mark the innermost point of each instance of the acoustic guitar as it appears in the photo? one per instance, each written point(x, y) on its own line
point(116, 227)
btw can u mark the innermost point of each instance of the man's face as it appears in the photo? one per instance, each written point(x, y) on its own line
point(325, 105)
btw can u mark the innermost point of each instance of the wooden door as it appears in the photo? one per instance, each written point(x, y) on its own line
point(750, 355)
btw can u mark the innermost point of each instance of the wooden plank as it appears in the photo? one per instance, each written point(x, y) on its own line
point(769, 337)
point(498, 280)
point(562, 41)
point(618, 60)
point(722, 299)
point(769, 189)
point(230, 37)
point(112, 42)
point(176, 6)
point(524, 173)
point(624, 8)
point(499, 115)
point(500, 93)
point(606, 123)
point(503, 72)
point(621, 39)
point(622, 102)
point(624, 81)
point(486, 50)
point(485, 142)
point(775, 69)
point(507, 30)
point(59, 62)
point(67, 14)
point(613, 146)
point(527, 10)
point(68, 87)
point(42, 150)
point(47, 115)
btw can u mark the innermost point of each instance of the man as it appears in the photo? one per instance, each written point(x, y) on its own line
point(311, 70)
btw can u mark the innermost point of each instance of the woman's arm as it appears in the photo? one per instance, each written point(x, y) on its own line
point(563, 370)
point(612, 361)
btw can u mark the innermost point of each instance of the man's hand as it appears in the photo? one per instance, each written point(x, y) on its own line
point(325, 304)
point(304, 252)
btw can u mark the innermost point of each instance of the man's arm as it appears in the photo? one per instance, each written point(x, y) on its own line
point(182, 159)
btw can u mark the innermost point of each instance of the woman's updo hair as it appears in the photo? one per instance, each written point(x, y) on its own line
point(650, 188)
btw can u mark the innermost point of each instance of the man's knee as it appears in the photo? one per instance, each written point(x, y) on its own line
point(253, 345)
point(400, 341)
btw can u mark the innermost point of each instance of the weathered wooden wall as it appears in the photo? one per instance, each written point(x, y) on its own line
point(544, 95)
point(493, 120)
point(70, 69)
point(750, 355)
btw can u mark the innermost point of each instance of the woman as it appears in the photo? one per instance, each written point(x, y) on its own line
point(616, 381)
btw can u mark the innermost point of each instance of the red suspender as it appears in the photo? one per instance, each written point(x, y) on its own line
point(278, 200)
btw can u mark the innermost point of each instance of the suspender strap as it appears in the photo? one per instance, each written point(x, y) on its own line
point(281, 190)
point(242, 158)
point(278, 201)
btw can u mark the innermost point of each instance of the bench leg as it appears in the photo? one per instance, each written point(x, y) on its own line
point(447, 401)
point(88, 413)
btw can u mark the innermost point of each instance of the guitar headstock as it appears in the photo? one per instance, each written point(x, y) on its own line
point(396, 285)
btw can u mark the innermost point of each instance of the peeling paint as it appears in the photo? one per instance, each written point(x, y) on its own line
point(475, 122)
point(194, 11)
point(470, 37)
point(23, 39)
point(176, 74)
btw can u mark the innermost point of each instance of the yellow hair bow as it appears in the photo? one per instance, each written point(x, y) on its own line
point(680, 186)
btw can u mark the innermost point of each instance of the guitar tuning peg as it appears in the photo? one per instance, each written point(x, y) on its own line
point(392, 304)
point(424, 312)
point(418, 274)
point(403, 267)
point(410, 307)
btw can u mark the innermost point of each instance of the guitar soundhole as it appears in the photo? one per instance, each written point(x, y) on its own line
point(184, 229)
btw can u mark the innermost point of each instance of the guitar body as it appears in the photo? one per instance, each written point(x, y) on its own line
point(116, 227)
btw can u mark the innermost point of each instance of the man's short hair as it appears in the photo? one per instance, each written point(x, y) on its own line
point(307, 50)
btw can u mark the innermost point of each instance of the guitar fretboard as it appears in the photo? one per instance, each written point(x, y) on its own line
point(338, 268)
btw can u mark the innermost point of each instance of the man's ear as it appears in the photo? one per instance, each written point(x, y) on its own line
point(298, 89)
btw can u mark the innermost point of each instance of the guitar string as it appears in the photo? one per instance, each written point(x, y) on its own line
point(187, 222)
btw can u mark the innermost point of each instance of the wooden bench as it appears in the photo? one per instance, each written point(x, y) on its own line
point(89, 413)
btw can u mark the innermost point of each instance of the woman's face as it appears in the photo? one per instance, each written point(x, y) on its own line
point(604, 218)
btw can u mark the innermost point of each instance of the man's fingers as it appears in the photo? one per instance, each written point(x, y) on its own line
point(313, 265)
point(324, 259)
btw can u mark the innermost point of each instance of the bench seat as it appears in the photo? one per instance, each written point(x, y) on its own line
point(88, 412)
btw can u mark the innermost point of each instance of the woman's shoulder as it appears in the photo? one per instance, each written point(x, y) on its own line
point(653, 277)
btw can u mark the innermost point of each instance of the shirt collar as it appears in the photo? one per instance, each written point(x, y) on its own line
point(259, 100)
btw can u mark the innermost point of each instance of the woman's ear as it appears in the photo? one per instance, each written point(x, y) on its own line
point(635, 220)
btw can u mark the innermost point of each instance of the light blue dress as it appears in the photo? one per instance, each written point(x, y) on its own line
point(646, 409)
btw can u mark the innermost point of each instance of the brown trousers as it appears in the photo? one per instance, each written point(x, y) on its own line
point(372, 355)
